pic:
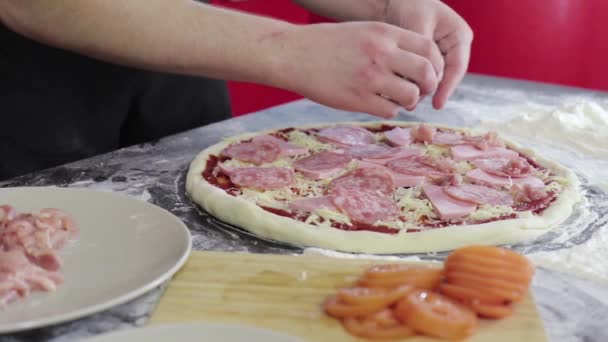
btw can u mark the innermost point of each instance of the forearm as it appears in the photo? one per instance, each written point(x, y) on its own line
point(347, 10)
point(179, 36)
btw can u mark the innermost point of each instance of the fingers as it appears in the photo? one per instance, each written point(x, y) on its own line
point(457, 54)
point(416, 69)
point(400, 91)
point(381, 106)
point(422, 46)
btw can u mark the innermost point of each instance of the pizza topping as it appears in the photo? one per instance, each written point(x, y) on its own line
point(347, 135)
point(255, 152)
point(479, 176)
point(446, 206)
point(312, 203)
point(399, 136)
point(286, 148)
point(322, 165)
point(479, 194)
point(423, 133)
point(397, 153)
point(448, 138)
point(449, 179)
point(368, 179)
point(364, 206)
point(399, 179)
point(515, 167)
point(417, 166)
point(439, 163)
point(469, 152)
point(486, 141)
point(262, 177)
point(371, 151)
point(537, 205)
point(527, 193)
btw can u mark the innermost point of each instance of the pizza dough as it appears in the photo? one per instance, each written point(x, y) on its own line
point(244, 209)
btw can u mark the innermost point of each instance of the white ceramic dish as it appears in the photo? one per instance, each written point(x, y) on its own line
point(126, 247)
point(194, 332)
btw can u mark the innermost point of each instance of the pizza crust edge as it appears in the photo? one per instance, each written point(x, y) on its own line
point(258, 221)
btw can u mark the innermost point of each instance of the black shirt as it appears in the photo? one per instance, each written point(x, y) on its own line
point(57, 106)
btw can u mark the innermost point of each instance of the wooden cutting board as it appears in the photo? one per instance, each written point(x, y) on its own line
point(284, 293)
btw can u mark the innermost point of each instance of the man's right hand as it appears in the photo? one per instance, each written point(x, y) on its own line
point(367, 67)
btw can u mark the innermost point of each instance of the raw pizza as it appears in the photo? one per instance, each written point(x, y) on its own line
point(382, 187)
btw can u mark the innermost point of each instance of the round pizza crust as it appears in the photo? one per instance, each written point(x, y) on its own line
point(262, 223)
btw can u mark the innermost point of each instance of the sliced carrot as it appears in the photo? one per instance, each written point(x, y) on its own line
point(334, 307)
point(436, 315)
point(492, 310)
point(379, 296)
point(468, 294)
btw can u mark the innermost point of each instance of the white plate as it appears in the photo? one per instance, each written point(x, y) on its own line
point(195, 332)
point(126, 247)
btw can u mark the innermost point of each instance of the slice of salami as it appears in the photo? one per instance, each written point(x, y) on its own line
point(255, 152)
point(347, 135)
point(322, 165)
point(263, 178)
point(414, 166)
point(372, 179)
point(364, 206)
point(479, 194)
point(371, 151)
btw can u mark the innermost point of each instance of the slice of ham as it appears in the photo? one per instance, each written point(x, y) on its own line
point(364, 206)
point(19, 276)
point(415, 166)
point(372, 179)
point(479, 176)
point(399, 136)
point(515, 167)
point(523, 193)
point(312, 203)
point(423, 133)
point(401, 152)
point(322, 165)
point(479, 194)
point(448, 138)
point(255, 152)
point(400, 179)
point(469, 152)
point(486, 141)
point(262, 178)
point(346, 135)
point(446, 207)
point(286, 148)
point(449, 179)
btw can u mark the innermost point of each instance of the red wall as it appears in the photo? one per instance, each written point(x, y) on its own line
point(555, 41)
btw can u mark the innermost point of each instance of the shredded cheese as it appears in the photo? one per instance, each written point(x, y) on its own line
point(485, 212)
point(310, 142)
point(436, 150)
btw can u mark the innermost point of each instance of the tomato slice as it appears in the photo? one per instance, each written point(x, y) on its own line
point(379, 296)
point(493, 287)
point(382, 325)
point(468, 294)
point(394, 275)
point(435, 315)
point(496, 311)
point(336, 308)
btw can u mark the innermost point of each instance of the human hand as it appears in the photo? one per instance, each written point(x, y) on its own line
point(437, 21)
point(368, 67)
